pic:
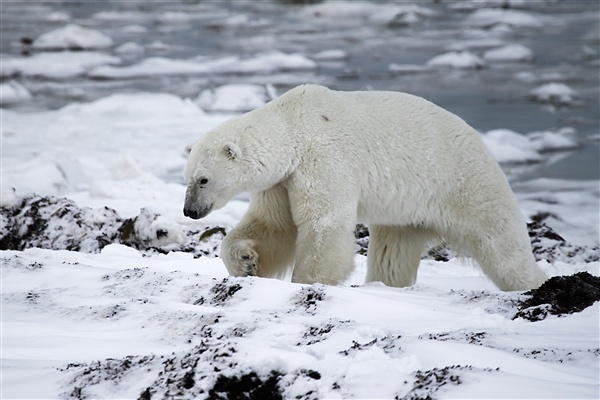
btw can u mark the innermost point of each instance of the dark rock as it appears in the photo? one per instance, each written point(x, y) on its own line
point(560, 295)
point(246, 387)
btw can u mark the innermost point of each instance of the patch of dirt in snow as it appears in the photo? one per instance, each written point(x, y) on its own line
point(560, 295)
point(318, 333)
point(309, 297)
point(502, 303)
point(387, 343)
point(459, 336)
point(585, 357)
point(208, 370)
point(222, 292)
point(427, 383)
point(549, 245)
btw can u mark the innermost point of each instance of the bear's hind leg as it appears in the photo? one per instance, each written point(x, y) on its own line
point(395, 252)
point(263, 243)
point(504, 254)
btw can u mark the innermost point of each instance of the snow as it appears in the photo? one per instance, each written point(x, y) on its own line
point(509, 52)
point(72, 37)
point(59, 65)
point(457, 59)
point(70, 308)
point(73, 320)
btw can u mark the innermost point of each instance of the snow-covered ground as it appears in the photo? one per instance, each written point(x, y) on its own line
point(129, 321)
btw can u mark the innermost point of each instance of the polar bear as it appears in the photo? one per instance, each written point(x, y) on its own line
point(317, 161)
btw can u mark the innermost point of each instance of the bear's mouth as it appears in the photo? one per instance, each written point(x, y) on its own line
point(195, 212)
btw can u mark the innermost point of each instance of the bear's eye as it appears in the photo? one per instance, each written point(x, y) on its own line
point(203, 181)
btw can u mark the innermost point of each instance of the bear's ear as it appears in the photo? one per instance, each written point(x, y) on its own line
point(232, 151)
point(188, 149)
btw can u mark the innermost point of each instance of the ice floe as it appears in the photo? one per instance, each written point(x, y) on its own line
point(56, 65)
point(508, 146)
point(509, 52)
point(553, 92)
point(235, 97)
point(262, 63)
point(12, 92)
point(457, 59)
point(72, 37)
point(489, 17)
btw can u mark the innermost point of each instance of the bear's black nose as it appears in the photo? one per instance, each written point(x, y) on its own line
point(192, 213)
point(196, 212)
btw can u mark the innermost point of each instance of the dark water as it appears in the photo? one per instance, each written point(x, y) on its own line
point(565, 45)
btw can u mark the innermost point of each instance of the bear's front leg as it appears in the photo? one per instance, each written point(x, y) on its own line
point(324, 255)
point(263, 243)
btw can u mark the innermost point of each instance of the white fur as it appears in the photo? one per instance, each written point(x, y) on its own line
point(317, 161)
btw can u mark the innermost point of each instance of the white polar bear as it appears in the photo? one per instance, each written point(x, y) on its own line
point(318, 161)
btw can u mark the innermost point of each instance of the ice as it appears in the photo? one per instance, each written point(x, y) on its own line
point(508, 146)
point(130, 49)
point(470, 5)
point(553, 92)
point(262, 63)
point(234, 97)
point(509, 52)
point(457, 59)
point(564, 139)
point(58, 65)
point(72, 37)
point(58, 16)
point(384, 14)
point(273, 61)
point(155, 66)
point(407, 68)
point(329, 55)
point(12, 92)
point(490, 17)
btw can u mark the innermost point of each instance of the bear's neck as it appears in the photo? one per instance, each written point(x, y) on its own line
point(277, 139)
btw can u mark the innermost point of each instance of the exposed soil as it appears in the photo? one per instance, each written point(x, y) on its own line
point(560, 295)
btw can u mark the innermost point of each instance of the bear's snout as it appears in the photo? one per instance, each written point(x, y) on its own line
point(196, 212)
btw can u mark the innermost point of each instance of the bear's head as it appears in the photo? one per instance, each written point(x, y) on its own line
point(215, 173)
point(229, 160)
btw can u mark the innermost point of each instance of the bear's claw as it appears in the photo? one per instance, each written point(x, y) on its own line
point(243, 259)
point(250, 266)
